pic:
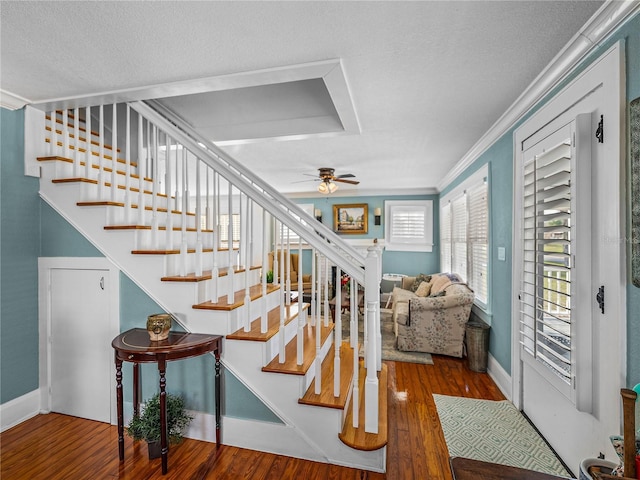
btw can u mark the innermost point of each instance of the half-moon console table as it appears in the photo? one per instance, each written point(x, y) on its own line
point(135, 346)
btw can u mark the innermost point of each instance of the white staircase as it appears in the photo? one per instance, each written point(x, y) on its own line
point(157, 214)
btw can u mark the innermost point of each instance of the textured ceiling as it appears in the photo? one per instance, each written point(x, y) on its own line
point(427, 79)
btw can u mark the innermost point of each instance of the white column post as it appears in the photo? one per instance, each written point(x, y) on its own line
point(372, 300)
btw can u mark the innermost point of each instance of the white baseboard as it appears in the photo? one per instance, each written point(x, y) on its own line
point(254, 435)
point(499, 376)
point(19, 409)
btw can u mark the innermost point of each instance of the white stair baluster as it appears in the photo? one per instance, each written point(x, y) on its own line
point(230, 270)
point(314, 292)
point(215, 273)
point(142, 167)
point(167, 190)
point(88, 157)
point(155, 175)
point(282, 294)
point(247, 277)
point(127, 166)
point(337, 333)
point(327, 273)
point(276, 260)
point(65, 133)
point(264, 321)
point(199, 257)
point(318, 358)
point(101, 154)
point(287, 294)
point(76, 142)
point(302, 314)
point(355, 396)
point(114, 154)
point(53, 137)
point(183, 216)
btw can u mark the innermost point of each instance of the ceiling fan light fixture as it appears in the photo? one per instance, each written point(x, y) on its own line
point(327, 187)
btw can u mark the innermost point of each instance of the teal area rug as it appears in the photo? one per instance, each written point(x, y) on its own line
point(389, 350)
point(494, 432)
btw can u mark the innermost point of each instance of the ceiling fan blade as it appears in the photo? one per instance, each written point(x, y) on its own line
point(352, 182)
point(309, 180)
point(346, 175)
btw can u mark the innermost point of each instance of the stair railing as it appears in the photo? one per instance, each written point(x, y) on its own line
point(198, 153)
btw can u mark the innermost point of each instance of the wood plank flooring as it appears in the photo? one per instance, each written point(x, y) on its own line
point(59, 447)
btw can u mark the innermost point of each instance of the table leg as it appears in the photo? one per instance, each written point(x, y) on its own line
point(136, 389)
point(162, 368)
point(218, 394)
point(120, 414)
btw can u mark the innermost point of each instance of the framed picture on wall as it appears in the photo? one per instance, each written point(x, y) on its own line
point(350, 218)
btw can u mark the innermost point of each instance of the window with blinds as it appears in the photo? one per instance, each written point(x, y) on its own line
point(548, 248)
point(224, 229)
point(464, 234)
point(408, 225)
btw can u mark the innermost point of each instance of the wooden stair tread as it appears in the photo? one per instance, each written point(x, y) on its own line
point(106, 203)
point(148, 227)
point(168, 252)
point(356, 437)
point(206, 274)
point(273, 324)
point(58, 158)
point(255, 292)
point(95, 154)
point(290, 366)
point(326, 398)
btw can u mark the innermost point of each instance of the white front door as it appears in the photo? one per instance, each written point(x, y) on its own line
point(81, 353)
point(568, 225)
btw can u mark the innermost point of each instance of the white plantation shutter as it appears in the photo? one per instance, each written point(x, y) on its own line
point(478, 236)
point(224, 231)
point(459, 237)
point(546, 290)
point(464, 234)
point(408, 225)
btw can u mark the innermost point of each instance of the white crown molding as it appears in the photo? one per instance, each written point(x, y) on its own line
point(11, 101)
point(366, 193)
point(607, 19)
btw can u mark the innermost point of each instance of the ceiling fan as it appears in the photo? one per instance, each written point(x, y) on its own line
point(328, 178)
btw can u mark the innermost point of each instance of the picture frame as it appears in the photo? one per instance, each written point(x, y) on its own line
point(351, 218)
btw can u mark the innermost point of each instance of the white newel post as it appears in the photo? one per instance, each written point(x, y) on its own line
point(372, 301)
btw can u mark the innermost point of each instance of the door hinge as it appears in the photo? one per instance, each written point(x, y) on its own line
point(600, 130)
point(600, 298)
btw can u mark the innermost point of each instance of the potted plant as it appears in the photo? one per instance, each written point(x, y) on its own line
point(270, 276)
point(146, 425)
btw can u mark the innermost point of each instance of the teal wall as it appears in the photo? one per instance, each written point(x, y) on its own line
point(409, 263)
point(30, 228)
point(19, 248)
point(500, 159)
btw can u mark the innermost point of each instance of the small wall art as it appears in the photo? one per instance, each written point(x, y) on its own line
point(350, 218)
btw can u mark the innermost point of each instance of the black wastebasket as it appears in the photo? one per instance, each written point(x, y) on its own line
point(478, 345)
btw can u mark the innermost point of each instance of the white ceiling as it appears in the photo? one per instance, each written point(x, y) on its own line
point(415, 84)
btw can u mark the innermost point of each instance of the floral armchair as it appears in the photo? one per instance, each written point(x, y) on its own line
point(436, 323)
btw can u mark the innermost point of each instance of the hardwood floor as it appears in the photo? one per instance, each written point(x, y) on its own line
point(59, 447)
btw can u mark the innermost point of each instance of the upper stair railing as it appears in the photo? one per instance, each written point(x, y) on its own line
point(185, 190)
